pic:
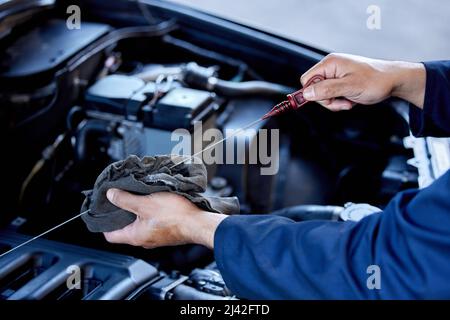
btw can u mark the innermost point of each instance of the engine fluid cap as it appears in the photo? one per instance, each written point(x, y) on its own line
point(357, 211)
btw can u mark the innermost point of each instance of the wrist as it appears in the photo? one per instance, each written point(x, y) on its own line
point(409, 81)
point(201, 227)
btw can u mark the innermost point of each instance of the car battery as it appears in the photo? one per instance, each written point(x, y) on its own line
point(180, 107)
point(195, 111)
point(147, 126)
point(120, 95)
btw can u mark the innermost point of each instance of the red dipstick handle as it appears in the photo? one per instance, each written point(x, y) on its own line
point(295, 100)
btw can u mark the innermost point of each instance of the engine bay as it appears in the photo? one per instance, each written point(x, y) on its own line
point(82, 99)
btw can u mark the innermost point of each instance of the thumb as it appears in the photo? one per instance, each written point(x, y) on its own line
point(125, 200)
point(326, 89)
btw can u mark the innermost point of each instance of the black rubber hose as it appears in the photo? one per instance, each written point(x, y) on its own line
point(236, 89)
point(211, 55)
point(81, 137)
point(71, 121)
point(198, 76)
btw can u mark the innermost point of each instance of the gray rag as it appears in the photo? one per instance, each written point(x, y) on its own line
point(143, 177)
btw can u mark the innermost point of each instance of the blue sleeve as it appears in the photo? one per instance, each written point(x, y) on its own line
point(270, 257)
point(434, 119)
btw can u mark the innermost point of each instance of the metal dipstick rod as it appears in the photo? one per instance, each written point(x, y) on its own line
point(44, 233)
point(218, 142)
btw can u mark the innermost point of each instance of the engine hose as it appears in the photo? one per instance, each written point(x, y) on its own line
point(236, 89)
point(71, 121)
point(81, 137)
point(47, 154)
point(198, 76)
point(242, 67)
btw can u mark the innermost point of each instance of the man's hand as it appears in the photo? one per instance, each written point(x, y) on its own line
point(163, 219)
point(352, 79)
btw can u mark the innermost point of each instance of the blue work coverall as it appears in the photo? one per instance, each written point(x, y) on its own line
point(273, 257)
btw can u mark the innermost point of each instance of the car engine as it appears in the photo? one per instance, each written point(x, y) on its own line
point(74, 101)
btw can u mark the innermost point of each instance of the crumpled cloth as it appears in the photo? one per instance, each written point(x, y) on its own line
point(145, 176)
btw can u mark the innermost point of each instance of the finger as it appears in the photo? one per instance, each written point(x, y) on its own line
point(339, 105)
point(328, 67)
point(324, 102)
point(124, 235)
point(125, 200)
point(326, 89)
point(117, 236)
point(317, 69)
